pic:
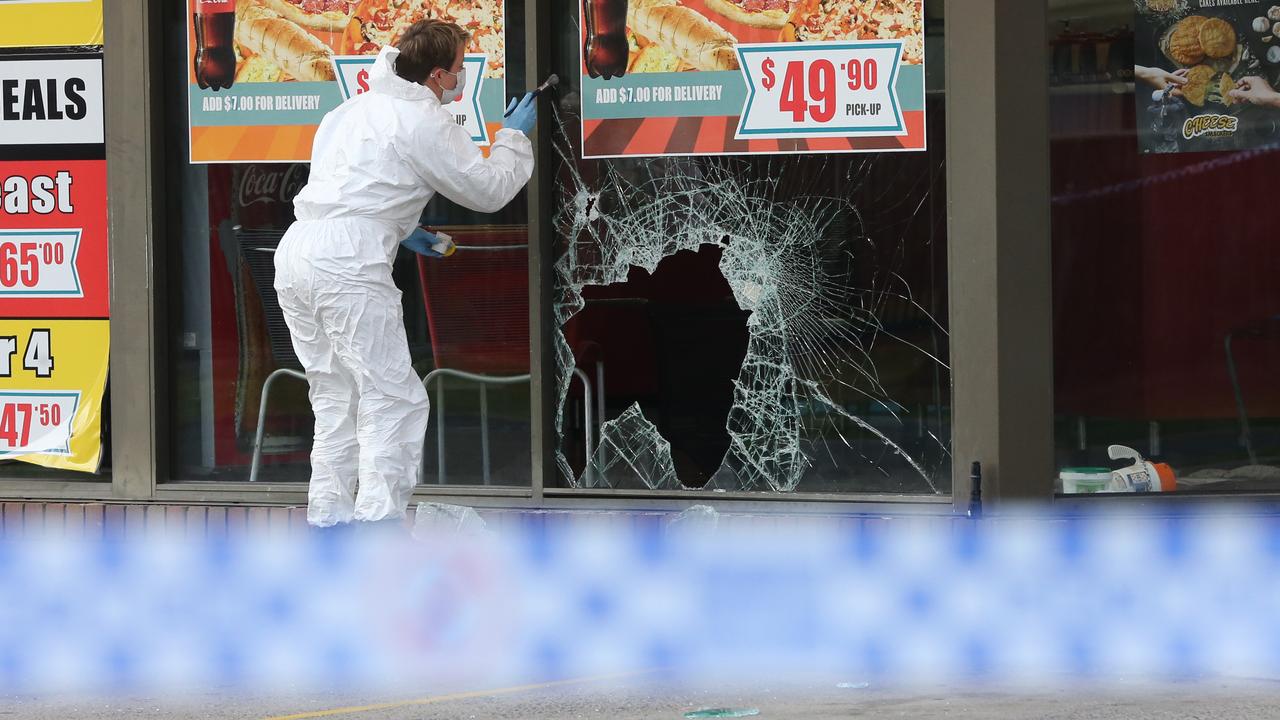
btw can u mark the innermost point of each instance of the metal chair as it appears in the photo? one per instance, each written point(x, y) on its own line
point(257, 250)
point(484, 381)
point(1267, 328)
point(477, 304)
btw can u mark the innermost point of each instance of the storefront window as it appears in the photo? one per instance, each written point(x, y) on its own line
point(232, 183)
point(744, 314)
point(55, 304)
point(1164, 133)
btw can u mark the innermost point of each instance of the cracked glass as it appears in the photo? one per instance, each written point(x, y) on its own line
point(772, 323)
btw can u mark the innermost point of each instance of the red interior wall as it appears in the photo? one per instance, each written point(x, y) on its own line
point(1157, 258)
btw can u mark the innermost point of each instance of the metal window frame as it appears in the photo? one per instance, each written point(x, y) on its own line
point(999, 248)
point(998, 272)
point(135, 208)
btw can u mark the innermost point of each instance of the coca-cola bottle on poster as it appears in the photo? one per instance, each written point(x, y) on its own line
point(606, 49)
point(215, 58)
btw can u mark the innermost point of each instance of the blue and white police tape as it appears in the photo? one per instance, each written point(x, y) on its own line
point(1031, 599)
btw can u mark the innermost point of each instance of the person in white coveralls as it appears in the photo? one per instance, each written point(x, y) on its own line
point(377, 159)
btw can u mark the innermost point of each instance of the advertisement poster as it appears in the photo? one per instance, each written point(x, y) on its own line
point(50, 23)
point(263, 73)
point(1206, 74)
point(707, 77)
point(54, 293)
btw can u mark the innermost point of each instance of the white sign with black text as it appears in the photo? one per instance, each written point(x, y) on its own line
point(51, 102)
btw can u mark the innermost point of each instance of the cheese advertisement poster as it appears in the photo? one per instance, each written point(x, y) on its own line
point(1207, 75)
point(738, 77)
point(263, 73)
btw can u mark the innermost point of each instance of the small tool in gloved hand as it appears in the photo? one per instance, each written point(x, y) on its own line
point(551, 81)
point(432, 243)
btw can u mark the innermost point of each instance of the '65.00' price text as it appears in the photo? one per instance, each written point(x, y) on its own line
point(20, 263)
point(39, 263)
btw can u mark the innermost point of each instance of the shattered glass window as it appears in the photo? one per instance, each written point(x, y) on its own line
point(770, 323)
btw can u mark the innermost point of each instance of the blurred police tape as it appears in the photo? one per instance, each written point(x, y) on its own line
point(1032, 599)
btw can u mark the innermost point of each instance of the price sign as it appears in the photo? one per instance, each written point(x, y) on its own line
point(39, 263)
point(36, 422)
point(52, 375)
point(798, 90)
point(352, 72)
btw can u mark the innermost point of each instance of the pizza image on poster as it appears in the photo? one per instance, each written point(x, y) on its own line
point(713, 77)
point(263, 73)
point(1206, 74)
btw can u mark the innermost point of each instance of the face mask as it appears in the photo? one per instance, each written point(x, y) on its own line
point(455, 94)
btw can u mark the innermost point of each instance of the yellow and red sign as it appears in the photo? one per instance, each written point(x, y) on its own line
point(30, 23)
point(51, 396)
point(54, 297)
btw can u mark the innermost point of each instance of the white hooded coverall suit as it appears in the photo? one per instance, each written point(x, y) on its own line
point(376, 161)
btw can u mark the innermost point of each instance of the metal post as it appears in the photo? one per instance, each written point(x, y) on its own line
point(600, 416)
point(586, 423)
point(133, 74)
point(539, 29)
point(440, 430)
point(1246, 433)
point(484, 430)
point(600, 411)
point(999, 242)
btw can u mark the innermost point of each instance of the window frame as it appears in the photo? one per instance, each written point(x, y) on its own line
point(998, 278)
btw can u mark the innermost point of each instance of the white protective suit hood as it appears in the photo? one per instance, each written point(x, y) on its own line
point(375, 162)
point(384, 153)
point(383, 77)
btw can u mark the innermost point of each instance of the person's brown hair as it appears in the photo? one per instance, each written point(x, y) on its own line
point(427, 45)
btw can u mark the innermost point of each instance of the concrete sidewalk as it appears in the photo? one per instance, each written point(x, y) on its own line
point(1218, 699)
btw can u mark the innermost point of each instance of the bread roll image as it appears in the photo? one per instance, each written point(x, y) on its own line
point(256, 68)
point(332, 20)
point(654, 58)
point(692, 37)
point(297, 52)
point(772, 19)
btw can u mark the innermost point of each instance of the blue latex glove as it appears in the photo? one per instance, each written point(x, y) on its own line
point(421, 240)
point(524, 115)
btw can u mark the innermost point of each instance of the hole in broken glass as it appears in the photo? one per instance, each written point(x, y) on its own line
point(785, 254)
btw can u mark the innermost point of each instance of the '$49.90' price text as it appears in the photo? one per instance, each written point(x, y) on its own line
point(813, 91)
